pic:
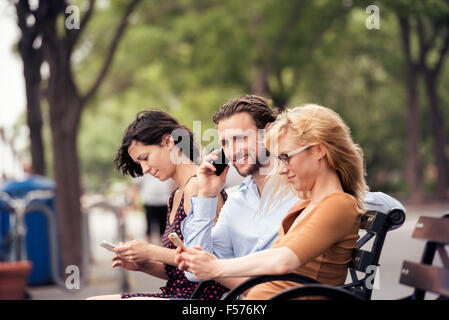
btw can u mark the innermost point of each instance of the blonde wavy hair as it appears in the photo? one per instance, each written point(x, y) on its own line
point(314, 125)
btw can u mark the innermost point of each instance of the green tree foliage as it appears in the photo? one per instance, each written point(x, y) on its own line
point(188, 57)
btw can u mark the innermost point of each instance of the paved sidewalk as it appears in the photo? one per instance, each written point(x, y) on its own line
point(102, 278)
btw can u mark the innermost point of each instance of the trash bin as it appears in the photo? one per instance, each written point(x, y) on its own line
point(38, 244)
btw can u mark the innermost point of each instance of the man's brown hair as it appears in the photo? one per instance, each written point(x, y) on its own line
point(256, 106)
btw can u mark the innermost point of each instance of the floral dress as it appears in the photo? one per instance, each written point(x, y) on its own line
point(177, 285)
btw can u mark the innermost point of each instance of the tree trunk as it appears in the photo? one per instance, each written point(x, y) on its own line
point(436, 117)
point(64, 128)
point(66, 105)
point(68, 202)
point(65, 109)
point(413, 172)
point(34, 114)
point(32, 58)
point(260, 83)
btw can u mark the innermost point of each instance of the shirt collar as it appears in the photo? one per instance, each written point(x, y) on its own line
point(246, 183)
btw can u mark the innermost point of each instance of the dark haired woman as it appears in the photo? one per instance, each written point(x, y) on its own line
point(155, 143)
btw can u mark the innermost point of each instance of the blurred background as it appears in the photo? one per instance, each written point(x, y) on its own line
point(74, 74)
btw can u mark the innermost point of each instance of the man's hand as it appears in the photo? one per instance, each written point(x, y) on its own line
point(210, 184)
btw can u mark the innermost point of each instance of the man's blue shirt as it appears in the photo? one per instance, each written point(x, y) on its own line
point(240, 229)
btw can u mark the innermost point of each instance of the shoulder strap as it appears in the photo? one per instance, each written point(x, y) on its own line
point(186, 184)
point(189, 180)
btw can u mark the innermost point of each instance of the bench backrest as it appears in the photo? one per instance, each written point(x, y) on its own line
point(424, 276)
point(377, 225)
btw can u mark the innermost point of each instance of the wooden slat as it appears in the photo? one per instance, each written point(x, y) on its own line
point(373, 221)
point(432, 229)
point(425, 277)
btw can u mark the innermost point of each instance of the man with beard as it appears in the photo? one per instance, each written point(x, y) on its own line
point(241, 228)
point(247, 223)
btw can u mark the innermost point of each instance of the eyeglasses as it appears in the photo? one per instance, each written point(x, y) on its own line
point(285, 157)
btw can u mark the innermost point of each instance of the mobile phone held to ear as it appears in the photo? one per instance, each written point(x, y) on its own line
point(221, 163)
point(176, 240)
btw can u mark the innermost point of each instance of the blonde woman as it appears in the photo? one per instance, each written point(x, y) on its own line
point(318, 158)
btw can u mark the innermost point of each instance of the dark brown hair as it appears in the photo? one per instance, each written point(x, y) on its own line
point(256, 106)
point(149, 127)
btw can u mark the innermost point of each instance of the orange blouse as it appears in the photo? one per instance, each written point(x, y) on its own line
point(323, 241)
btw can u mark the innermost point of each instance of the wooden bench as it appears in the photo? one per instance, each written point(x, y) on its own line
point(424, 276)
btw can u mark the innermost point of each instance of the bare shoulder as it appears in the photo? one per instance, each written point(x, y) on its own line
point(190, 190)
point(192, 187)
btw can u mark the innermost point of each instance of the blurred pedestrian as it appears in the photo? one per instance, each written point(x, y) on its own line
point(154, 194)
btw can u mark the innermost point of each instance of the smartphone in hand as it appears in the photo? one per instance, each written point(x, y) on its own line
point(108, 245)
point(221, 163)
point(176, 240)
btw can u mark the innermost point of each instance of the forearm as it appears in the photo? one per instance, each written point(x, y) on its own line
point(271, 261)
point(197, 226)
point(163, 255)
point(155, 269)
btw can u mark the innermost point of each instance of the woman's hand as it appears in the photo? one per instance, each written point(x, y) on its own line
point(125, 264)
point(210, 184)
point(134, 251)
point(202, 264)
